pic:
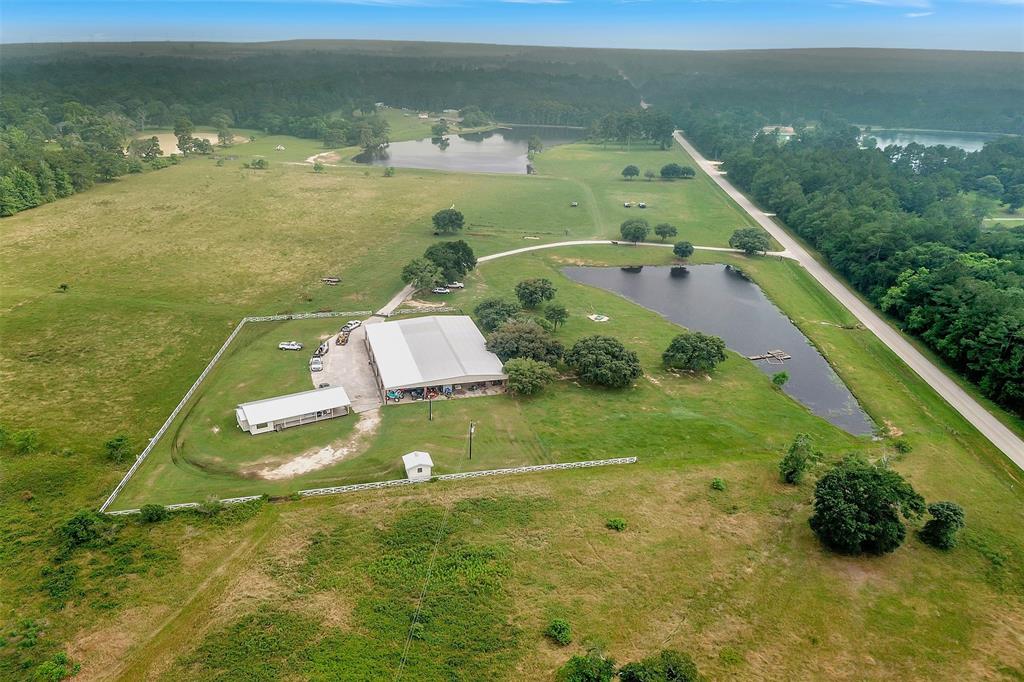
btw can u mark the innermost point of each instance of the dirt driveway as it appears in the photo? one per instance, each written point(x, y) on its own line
point(349, 366)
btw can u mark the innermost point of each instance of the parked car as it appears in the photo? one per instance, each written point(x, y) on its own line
point(322, 349)
point(290, 345)
point(627, 204)
point(441, 290)
point(351, 325)
point(341, 339)
point(316, 365)
point(642, 205)
point(324, 385)
point(455, 285)
point(575, 204)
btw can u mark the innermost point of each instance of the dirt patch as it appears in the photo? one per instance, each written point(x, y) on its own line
point(169, 143)
point(892, 430)
point(325, 157)
point(101, 650)
point(315, 459)
point(424, 304)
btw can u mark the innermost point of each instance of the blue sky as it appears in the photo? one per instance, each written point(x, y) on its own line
point(670, 24)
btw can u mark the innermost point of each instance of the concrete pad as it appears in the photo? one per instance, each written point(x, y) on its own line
point(349, 366)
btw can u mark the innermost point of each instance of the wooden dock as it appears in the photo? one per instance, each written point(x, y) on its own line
point(773, 357)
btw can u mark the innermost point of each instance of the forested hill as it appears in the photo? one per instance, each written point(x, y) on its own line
point(903, 225)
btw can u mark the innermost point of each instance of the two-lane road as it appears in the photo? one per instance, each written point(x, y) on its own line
point(983, 420)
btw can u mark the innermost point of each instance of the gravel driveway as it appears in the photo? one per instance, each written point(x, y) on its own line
point(349, 366)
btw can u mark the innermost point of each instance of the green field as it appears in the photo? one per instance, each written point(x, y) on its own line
point(160, 268)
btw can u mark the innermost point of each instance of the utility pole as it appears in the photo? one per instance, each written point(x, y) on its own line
point(430, 409)
point(472, 428)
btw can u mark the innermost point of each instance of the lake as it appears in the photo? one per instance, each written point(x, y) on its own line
point(718, 300)
point(970, 142)
point(495, 151)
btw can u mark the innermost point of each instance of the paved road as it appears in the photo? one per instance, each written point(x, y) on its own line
point(972, 411)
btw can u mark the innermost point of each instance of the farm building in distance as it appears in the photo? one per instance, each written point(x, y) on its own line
point(440, 355)
point(275, 414)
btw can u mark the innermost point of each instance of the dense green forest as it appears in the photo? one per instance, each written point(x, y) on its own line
point(904, 226)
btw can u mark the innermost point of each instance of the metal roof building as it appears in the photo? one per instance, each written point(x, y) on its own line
point(435, 351)
point(275, 414)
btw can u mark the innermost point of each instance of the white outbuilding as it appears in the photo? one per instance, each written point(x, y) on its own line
point(282, 412)
point(418, 466)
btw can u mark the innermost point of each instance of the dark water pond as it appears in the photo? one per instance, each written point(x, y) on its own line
point(970, 142)
point(721, 301)
point(494, 151)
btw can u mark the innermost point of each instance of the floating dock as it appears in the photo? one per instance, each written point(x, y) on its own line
point(773, 357)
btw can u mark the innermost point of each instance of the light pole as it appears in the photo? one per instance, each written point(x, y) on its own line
point(472, 428)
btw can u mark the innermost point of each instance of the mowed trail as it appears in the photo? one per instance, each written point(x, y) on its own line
point(983, 420)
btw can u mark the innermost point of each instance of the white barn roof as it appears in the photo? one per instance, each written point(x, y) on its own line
point(286, 406)
point(432, 351)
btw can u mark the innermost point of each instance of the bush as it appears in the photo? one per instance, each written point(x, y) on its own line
point(84, 528)
point(780, 379)
point(717, 484)
point(533, 292)
point(491, 313)
point(25, 442)
point(666, 666)
point(616, 523)
point(902, 446)
point(118, 449)
point(940, 530)
point(153, 513)
point(695, 352)
point(683, 249)
point(58, 667)
point(593, 667)
point(859, 507)
point(559, 632)
point(524, 339)
point(527, 376)
point(800, 457)
point(603, 360)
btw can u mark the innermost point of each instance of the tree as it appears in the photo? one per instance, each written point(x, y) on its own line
point(604, 361)
point(750, 240)
point(492, 312)
point(532, 292)
point(318, 166)
point(439, 129)
point(695, 352)
point(84, 528)
point(798, 460)
point(448, 220)
point(534, 145)
point(682, 249)
point(422, 273)
point(556, 314)
point(666, 666)
point(517, 338)
point(455, 258)
point(259, 164)
point(225, 137)
point(630, 172)
point(559, 631)
point(665, 230)
point(183, 129)
point(650, 175)
point(389, 172)
point(118, 448)
point(990, 186)
point(634, 230)
point(1014, 198)
point(940, 530)
point(593, 667)
point(672, 171)
point(859, 507)
point(527, 376)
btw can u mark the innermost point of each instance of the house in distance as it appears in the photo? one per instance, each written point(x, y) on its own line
point(282, 412)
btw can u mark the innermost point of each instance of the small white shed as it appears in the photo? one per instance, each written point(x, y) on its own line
point(418, 465)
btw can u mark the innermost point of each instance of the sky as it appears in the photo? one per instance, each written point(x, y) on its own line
point(663, 24)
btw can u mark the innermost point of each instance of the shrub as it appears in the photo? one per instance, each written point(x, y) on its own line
point(153, 513)
point(389, 172)
point(616, 523)
point(527, 376)
point(717, 484)
point(666, 666)
point(694, 351)
point(118, 449)
point(533, 292)
point(593, 667)
point(780, 379)
point(603, 360)
point(524, 339)
point(84, 528)
point(58, 667)
point(25, 442)
point(859, 507)
point(800, 457)
point(940, 530)
point(559, 631)
point(902, 446)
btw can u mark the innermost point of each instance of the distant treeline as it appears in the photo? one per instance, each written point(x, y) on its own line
point(904, 226)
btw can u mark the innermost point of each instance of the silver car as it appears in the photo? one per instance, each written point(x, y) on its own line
point(316, 365)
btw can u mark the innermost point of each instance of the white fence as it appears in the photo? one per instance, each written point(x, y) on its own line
point(424, 311)
point(377, 485)
point(188, 395)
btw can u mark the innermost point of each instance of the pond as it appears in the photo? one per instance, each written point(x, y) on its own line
point(495, 151)
point(970, 142)
point(719, 300)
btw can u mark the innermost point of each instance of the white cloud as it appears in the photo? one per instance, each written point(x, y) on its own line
point(918, 15)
